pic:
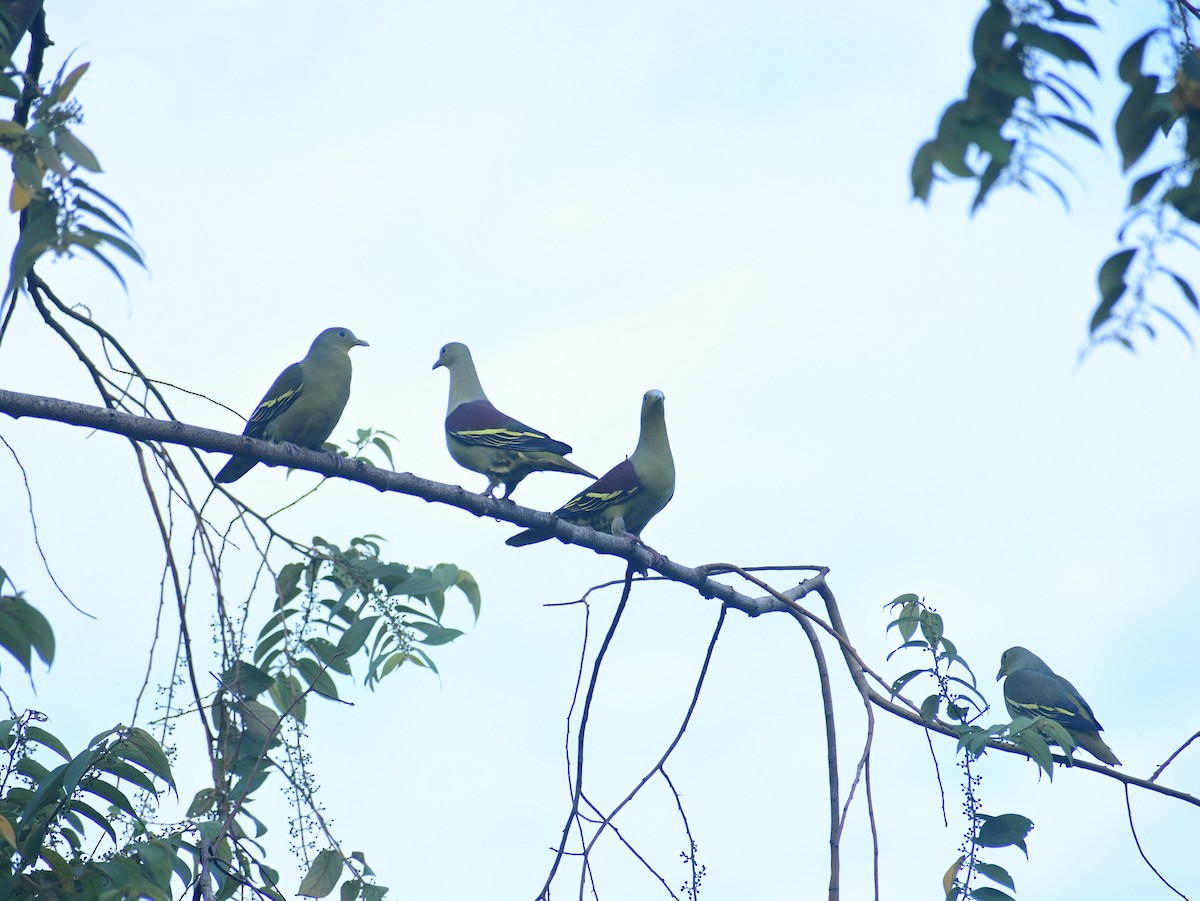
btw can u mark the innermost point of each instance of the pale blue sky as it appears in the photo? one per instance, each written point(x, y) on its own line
point(712, 200)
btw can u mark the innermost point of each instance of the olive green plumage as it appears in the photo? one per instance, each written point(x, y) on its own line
point(630, 494)
point(1033, 689)
point(305, 403)
point(483, 439)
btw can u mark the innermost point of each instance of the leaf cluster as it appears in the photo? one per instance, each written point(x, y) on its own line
point(988, 132)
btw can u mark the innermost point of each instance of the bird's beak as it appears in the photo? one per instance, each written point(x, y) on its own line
point(361, 343)
point(1000, 675)
point(438, 363)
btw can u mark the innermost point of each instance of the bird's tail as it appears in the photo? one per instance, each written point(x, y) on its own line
point(562, 464)
point(529, 536)
point(1095, 745)
point(235, 469)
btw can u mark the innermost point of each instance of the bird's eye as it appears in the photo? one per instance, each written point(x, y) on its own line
point(342, 333)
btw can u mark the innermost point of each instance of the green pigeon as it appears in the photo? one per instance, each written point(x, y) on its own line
point(305, 403)
point(630, 494)
point(1033, 689)
point(483, 439)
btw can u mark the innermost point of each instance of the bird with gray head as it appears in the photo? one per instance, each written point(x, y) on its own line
point(484, 440)
point(304, 404)
point(630, 494)
point(1033, 689)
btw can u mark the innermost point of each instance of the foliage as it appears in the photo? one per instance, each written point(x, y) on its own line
point(330, 607)
point(1023, 59)
point(964, 705)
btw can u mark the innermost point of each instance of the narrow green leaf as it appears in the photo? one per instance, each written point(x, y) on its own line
point(987, 893)
point(995, 873)
point(1186, 288)
point(467, 585)
point(1062, 14)
point(1056, 44)
point(316, 677)
point(435, 634)
point(71, 146)
point(142, 748)
point(899, 684)
point(77, 806)
point(1077, 127)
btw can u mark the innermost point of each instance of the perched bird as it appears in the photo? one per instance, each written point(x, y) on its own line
point(1033, 689)
point(483, 439)
point(306, 401)
point(630, 494)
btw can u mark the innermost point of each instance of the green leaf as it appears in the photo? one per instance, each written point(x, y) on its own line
point(142, 748)
point(246, 681)
point(922, 171)
point(202, 803)
point(435, 634)
point(356, 636)
point(77, 806)
point(287, 583)
point(38, 235)
point(986, 182)
point(260, 721)
point(328, 653)
point(322, 876)
point(990, 31)
point(1056, 44)
point(374, 892)
point(1004, 830)
point(1138, 120)
point(316, 677)
point(987, 893)
point(1186, 288)
point(111, 794)
point(995, 873)
point(42, 737)
point(351, 889)
point(1144, 185)
point(287, 691)
point(23, 630)
point(1076, 127)
point(899, 684)
point(71, 146)
point(1111, 281)
point(1129, 69)
point(467, 585)
point(931, 627)
point(1062, 14)
point(929, 707)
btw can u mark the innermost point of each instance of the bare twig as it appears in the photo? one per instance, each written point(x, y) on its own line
point(1136, 841)
point(583, 720)
point(1158, 772)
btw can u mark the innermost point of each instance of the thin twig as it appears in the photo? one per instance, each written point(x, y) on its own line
point(583, 721)
point(1136, 841)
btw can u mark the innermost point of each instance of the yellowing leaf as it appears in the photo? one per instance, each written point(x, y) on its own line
point(71, 80)
point(19, 196)
point(6, 831)
point(8, 128)
point(952, 873)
